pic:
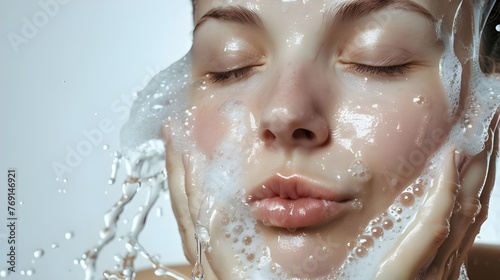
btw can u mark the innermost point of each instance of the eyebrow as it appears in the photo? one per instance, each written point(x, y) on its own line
point(353, 10)
point(236, 14)
point(339, 14)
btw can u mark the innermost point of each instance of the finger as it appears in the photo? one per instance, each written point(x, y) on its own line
point(466, 208)
point(476, 185)
point(193, 193)
point(484, 199)
point(429, 229)
point(178, 197)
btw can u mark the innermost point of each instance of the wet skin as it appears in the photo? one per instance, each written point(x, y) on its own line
point(334, 111)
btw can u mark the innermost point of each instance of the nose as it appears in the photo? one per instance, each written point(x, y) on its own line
point(295, 112)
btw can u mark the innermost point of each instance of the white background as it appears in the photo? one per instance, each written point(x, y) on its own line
point(72, 71)
point(77, 69)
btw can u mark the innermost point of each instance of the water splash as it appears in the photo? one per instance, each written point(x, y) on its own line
point(197, 273)
point(145, 170)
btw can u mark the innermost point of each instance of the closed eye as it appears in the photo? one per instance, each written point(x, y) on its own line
point(393, 70)
point(218, 77)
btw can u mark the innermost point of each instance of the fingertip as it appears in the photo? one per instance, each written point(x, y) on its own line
point(186, 161)
point(459, 159)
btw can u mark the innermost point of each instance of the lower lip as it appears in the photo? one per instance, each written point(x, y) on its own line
point(302, 212)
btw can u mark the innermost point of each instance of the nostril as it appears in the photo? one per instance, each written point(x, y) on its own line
point(301, 133)
point(268, 135)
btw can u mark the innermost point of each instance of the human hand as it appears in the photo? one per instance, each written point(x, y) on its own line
point(436, 243)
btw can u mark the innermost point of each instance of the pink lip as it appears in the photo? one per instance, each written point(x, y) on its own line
point(295, 202)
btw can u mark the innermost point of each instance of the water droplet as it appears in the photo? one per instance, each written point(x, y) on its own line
point(105, 147)
point(250, 257)
point(361, 251)
point(118, 258)
point(497, 28)
point(356, 204)
point(125, 221)
point(197, 272)
point(159, 212)
point(157, 107)
point(54, 246)
point(160, 272)
point(21, 203)
point(387, 224)
point(291, 229)
point(30, 272)
point(407, 199)
point(38, 253)
point(366, 241)
point(200, 85)
point(247, 240)
point(65, 180)
point(377, 232)
point(421, 100)
point(225, 221)
point(274, 268)
point(418, 190)
point(114, 167)
point(68, 235)
point(4, 273)
point(238, 229)
point(360, 171)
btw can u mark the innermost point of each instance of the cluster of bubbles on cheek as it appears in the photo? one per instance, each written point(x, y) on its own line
point(389, 224)
point(222, 177)
point(247, 243)
point(359, 171)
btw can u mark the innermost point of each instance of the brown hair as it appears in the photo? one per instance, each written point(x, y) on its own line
point(490, 42)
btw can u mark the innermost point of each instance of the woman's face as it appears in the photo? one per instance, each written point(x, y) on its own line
point(308, 120)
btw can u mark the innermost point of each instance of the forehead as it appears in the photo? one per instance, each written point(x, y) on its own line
point(287, 8)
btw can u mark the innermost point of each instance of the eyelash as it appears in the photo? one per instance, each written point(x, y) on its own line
point(381, 70)
point(218, 77)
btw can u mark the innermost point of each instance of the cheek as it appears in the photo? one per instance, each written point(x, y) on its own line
point(209, 129)
point(396, 138)
point(407, 138)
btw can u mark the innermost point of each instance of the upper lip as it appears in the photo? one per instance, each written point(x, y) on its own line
point(294, 187)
